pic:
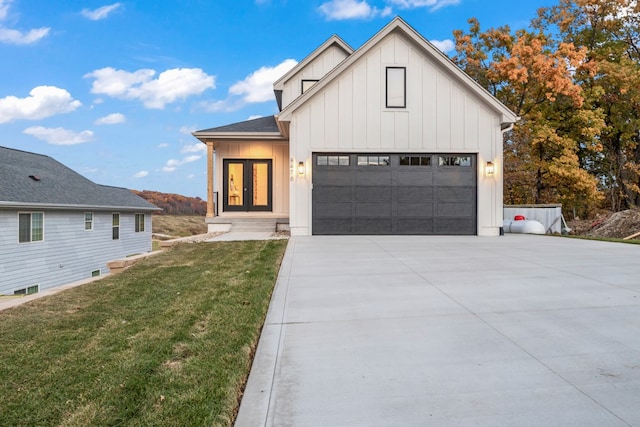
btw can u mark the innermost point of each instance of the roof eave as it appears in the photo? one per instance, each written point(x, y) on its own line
point(271, 136)
point(334, 39)
point(58, 206)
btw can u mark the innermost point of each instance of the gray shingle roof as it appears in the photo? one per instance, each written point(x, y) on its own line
point(34, 179)
point(260, 125)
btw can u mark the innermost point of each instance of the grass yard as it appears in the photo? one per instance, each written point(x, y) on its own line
point(167, 342)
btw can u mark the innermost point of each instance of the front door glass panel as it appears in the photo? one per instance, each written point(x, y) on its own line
point(247, 185)
point(235, 177)
point(260, 177)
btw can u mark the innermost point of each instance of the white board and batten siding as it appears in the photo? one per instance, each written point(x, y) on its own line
point(68, 252)
point(315, 70)
point(350, 115)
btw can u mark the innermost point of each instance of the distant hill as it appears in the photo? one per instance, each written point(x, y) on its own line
point(174, 204)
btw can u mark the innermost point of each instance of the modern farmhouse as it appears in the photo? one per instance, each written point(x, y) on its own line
point(58, 227)
point(391, 138)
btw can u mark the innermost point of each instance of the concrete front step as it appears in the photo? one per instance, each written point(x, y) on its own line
point(268, 225)
point(254, 227)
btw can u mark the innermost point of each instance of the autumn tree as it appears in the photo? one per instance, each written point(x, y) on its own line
point(532, 74)
point(609, 30)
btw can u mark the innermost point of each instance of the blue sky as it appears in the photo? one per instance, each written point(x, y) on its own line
point(114, 89)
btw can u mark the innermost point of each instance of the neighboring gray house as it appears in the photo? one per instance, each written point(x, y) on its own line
point(58, 227)
point(389, 138)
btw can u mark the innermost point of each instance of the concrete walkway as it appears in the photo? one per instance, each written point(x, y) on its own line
point(450, 331)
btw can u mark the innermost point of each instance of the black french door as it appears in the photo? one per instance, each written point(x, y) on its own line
point(248, 185)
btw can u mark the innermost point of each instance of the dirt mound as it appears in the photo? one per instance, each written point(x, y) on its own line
point(620, 225)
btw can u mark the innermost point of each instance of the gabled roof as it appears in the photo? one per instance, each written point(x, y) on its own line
point(333, 40)
point(399, 25)
point(35, 180)
point(261, 128)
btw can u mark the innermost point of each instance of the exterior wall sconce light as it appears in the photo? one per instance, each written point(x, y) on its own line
point(489, 169)
point(301, 168)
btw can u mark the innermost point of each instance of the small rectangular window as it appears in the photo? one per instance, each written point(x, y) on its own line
point(30, 227)
point(95, 273)
point(463, 161)
point(88, 221)
point(306, 84)
point(27, 291)
point(115, 226)
point(415, 161)
point(139, 223)
point(332, 160)
point(374, 160)
point(396, 87)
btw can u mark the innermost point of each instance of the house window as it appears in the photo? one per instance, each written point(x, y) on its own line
point(139, 223)
point(374, 161)
point(27, 291)
point(95, 273)
point(115, 226)
point(396, 87)
point(415, 160)
point(88, 221)
point(332, 160)
point(463, 161)
point(30, 227)
point(306, 84)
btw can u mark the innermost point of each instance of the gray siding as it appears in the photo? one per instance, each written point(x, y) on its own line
point(68, 253)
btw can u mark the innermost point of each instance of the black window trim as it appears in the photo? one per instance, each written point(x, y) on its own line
point(303, 81)
point(386, 87)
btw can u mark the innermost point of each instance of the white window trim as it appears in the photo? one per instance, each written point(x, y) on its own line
point(119, 226)
point(30, 227)
point(135, 225)
point(90, 221)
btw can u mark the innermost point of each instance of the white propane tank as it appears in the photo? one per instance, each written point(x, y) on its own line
point(522, 225)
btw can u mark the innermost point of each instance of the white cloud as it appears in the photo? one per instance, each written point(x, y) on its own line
point(42, 102)
point(444, 45)
point(111, 119)
point(198, 147)
point(100, 13)
point(171, 85)
point(59, 136)
point(172, 164)
point(191, 176)
point(254, 116)
point(433, 5)
point(11, 36)
point(338, 10)
point(258, 86)
point(4, 8)
point(163, 145)
point(141, 174)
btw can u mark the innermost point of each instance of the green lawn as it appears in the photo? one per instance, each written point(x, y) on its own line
point(167, 342)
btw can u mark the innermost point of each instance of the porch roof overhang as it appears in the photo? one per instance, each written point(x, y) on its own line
point(261, 129)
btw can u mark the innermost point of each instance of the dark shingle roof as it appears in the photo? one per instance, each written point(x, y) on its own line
point(34, 179)
point(260, 125)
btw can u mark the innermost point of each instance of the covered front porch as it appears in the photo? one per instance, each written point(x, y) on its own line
point(247, 176)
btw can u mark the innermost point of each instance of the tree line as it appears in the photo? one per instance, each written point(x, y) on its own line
point(174, 204)
point(573, 76)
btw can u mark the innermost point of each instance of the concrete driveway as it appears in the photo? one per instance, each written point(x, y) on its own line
point(450, 331)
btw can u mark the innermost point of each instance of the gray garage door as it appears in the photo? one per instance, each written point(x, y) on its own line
point(394, 194)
